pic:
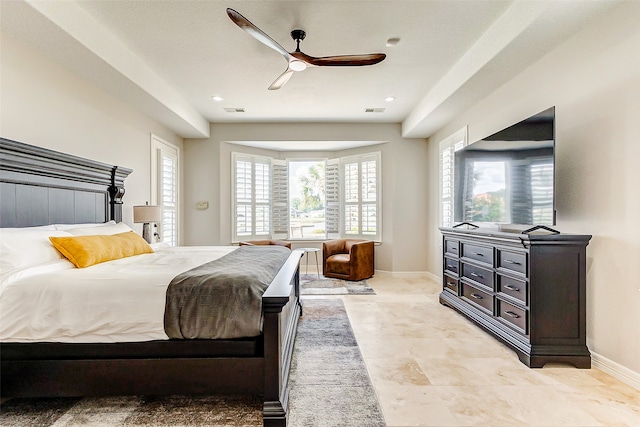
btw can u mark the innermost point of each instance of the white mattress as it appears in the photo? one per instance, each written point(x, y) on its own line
point(116, 301)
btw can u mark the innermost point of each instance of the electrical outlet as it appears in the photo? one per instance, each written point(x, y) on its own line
point(202, 205)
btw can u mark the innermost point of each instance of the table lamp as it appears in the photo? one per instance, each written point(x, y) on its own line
point(147, 214)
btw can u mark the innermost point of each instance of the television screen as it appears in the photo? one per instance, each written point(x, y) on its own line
point(508, 177)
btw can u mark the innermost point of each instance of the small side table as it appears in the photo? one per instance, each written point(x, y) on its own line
point(314, 250)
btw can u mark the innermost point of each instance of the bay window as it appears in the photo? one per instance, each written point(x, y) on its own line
point(306, 199)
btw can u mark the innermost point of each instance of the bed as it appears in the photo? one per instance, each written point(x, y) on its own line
point(41, 187)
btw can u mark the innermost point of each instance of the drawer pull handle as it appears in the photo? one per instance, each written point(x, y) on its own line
point(477, 275)
point(476, 296)
point(478, 253)
point(451, 266)
point(511, 288)
point(511, 314)
point(508, 261)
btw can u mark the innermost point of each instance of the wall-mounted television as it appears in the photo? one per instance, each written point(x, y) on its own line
point(508, 177)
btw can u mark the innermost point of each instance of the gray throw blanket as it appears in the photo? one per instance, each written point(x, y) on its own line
point(223, 298)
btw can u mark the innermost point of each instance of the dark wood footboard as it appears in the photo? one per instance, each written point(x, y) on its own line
point(282, 309)
point(172, 366)
point(35, 183)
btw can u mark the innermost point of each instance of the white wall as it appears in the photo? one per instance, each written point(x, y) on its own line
point(594, 81)
point(43, 104)
point(404, 202)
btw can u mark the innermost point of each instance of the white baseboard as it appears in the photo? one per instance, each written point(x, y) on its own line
point(411, 273)
point(616, 370)
point(434, 277)
point(402, 273)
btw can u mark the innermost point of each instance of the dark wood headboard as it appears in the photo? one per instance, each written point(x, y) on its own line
point(40, 186)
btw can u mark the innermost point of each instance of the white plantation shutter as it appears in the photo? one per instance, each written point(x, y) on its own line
point(262, 191)
point(446, 187)
point(252, 197)
point(369, 184)
point(169, 199)
point(351, 199)
point(447, 149)
point(280, 199)
point(261, 197)
point(165, 185)
point(361, 203)
point(332, 198)
point(243, 201)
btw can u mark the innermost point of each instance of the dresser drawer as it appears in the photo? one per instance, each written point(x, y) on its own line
point(452, 247)
point(451, 265)
point(451, 284)
point(477, 297)
point(514, 288)
point(478, 253)
point(515, 316)
point(514, 261)
point(477, 274)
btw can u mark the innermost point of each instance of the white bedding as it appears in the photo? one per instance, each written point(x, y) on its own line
point(116, 301)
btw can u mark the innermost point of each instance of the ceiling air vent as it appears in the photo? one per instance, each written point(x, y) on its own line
point(374, 110)
point(234, 110)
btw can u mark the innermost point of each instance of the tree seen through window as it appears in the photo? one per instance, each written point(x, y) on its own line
point(307, 199)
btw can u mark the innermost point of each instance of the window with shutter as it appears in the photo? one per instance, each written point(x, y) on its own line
point(447, 149)
point(165, 161)
point(280, 199)
point(252, 197)
point(361, 205)
point(332, 198)
point(169, 200)
point(262, 197)
point(243, 199)
point(306, 199)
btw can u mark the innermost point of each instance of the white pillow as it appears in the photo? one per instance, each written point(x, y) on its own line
point(26, 247)
point(37, 227)
point(65, 227)
point(105, 230)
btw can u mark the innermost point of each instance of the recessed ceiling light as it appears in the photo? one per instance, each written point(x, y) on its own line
point(217, 98)
point(390, 98)
point(393, 41)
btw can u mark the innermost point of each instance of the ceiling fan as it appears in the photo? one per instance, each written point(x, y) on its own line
point(298, 60)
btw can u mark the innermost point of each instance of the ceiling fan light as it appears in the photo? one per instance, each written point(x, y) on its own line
point(297, 65)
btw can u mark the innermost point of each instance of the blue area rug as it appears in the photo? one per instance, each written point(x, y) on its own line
point(312, 284)
point(329, 386)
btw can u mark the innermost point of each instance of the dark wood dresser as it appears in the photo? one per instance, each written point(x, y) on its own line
point(528, 290)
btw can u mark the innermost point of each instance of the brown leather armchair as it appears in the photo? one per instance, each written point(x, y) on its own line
point(348, 259)
point(266, 242)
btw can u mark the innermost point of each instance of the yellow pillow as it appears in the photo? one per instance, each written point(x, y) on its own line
point(85, 251)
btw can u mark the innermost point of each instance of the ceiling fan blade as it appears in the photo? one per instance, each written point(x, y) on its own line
point(280, 81)
point(341, 60)
point(256, 33)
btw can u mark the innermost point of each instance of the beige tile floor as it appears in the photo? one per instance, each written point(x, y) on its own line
point(432, 367)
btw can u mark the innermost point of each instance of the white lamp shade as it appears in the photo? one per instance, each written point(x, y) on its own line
point(147, 213)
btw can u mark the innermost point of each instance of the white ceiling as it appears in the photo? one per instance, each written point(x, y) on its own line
point(168, 58)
